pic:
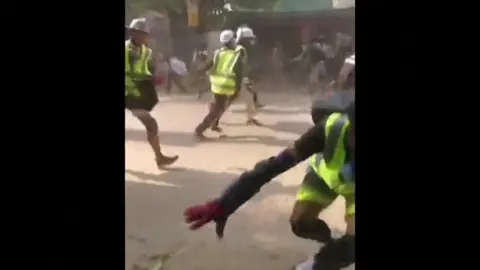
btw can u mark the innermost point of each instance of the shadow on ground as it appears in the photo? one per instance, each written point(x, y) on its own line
point(166, 137)
point(174, 138)
point(155, 205)
point(197, 184)
point(291, 126)
point(274, 111)
point(294, 127)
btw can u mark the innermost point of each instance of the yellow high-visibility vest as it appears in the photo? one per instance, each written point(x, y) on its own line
point(330, 165)
point(222, 75)
point(137, 70)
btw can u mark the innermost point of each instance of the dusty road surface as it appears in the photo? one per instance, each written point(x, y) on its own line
point(258, 236)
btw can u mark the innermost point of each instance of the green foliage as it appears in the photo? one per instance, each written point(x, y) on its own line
point(254, 4)
point(136, 7)
point(180, 5)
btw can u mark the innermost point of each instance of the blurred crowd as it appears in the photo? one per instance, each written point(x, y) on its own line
point(314, 69)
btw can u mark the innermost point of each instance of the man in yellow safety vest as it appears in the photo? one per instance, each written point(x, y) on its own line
point(331, 146)
point(245, 39)
point(225, 80)
point(140, 94)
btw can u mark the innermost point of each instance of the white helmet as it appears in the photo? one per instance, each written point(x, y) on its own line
point(226, 36)
point(245, 32)
point(139, 24)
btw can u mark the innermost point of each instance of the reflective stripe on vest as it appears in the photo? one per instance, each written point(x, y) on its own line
point(329, 167)
point(222, 75)
point(137, 70)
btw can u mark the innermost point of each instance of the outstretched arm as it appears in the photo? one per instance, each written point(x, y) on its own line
point(250, 182)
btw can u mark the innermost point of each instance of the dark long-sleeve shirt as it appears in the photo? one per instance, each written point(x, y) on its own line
point(311, 142)
point(249, 183)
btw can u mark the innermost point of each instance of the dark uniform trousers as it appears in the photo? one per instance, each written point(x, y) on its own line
point(217, 108)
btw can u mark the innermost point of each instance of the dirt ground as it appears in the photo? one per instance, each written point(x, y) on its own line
point(258, 236)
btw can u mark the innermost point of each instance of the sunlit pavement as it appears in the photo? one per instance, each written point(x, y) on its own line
point(258, 235)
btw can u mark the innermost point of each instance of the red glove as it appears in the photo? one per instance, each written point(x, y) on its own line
point(199, 215)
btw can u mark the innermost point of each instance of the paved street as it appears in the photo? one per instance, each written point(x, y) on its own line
point(258, 237)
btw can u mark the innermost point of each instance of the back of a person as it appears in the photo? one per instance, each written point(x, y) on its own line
point(222, 56)
point(315, 53)
point(223, 72)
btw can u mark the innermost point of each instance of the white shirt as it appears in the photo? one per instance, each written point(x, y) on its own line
point(178, 66)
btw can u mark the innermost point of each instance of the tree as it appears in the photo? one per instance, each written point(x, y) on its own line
point(136, 7)
point(254, 4)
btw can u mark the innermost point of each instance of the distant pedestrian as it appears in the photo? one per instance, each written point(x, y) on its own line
point(176, 72)
point(225, 80)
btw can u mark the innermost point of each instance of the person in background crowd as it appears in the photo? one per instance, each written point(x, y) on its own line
point(140, 94)
point(245, 39)
point(255, 68)
point(226, 76)
point(346, 77)
point(161, 70)
point(313, 54)
point(316, 56)
point(200, 57)
point(342, 48)
point(276, 63)
point(176, 72)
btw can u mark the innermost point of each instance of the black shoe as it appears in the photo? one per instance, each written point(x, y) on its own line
point(254, 122)
point(217, 129)
point(199, 136)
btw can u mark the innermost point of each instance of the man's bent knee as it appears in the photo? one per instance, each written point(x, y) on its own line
point(315, 229)
point(305, 224)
